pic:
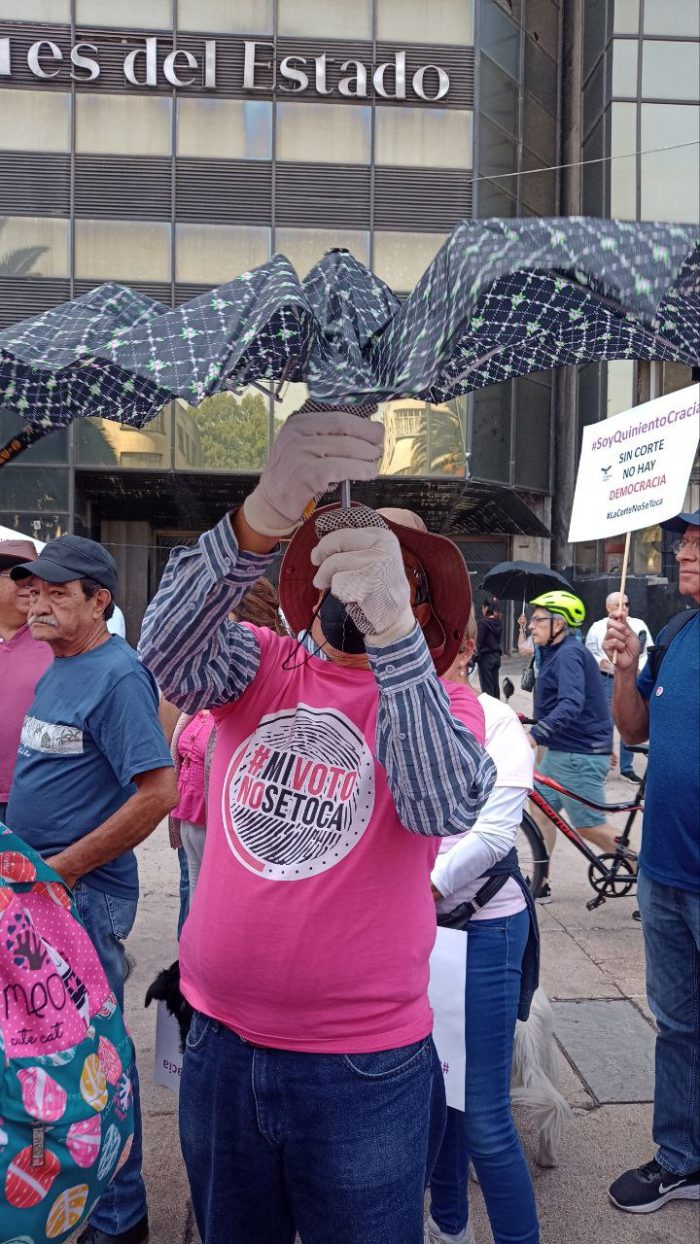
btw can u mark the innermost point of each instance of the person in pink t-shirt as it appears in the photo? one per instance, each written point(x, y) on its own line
point(311, 1096)
point(23, 659)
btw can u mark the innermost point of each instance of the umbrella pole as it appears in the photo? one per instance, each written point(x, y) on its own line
point(623, 577)
point(345, 494)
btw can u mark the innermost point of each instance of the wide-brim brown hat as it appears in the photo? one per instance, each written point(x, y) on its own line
point(14, 552)
point(449, 588)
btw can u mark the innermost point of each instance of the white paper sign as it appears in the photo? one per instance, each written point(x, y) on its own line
point(635, 467)
point(448, 968)
point(168, 1061)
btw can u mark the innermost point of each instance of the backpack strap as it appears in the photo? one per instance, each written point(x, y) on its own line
point(657, 652)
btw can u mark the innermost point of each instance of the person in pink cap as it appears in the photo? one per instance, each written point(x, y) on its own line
point(22, 659)
point(311, 1096)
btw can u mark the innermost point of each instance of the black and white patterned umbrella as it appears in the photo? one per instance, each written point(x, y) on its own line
point(501, 299)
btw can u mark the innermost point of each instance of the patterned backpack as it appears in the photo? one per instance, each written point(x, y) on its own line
point(66, 1114)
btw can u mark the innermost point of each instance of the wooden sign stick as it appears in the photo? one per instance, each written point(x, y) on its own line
point(623, 578)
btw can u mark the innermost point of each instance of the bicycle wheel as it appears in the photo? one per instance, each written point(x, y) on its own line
point(532, 853)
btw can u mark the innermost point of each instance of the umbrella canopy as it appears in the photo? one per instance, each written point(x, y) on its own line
point(501, 299)
point(523, 580)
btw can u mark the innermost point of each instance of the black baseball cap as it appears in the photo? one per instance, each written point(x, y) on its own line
point(71, 557)
point(691, 518)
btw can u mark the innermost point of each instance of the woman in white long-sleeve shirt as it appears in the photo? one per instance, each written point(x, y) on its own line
point(498, 935)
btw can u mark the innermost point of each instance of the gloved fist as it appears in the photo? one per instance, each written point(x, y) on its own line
point(311, 453)
point(363, 566)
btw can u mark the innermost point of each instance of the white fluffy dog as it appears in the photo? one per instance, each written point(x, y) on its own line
point(534, 1078)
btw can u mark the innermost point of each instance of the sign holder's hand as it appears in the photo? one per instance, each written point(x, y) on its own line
point(621, 645)
point(363, 566)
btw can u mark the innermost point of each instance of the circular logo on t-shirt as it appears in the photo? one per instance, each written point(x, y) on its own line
point(298, 794)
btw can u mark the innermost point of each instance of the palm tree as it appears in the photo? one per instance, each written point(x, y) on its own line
point(20, 262)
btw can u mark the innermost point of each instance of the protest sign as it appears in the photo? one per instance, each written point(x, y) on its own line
point(448, 967)
point(168, 1059)
point(634, 468)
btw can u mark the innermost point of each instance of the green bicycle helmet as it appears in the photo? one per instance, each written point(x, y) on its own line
point(564, 604)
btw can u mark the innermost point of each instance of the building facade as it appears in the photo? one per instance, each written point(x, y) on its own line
point(172, 144)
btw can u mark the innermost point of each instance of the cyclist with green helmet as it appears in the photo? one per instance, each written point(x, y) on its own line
point(573, 718)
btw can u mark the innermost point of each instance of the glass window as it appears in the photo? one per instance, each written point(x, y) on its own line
point(670, 70)
point(34, 246)
point(532, 434)
point(324, 20)
point(226, 129)
point(539, 130)
point(500, 38)
point(620, 387)
point(490, 440)
point(97, 440)
point(624, 66)
point(102, 442)
point(226, 432)
point(594, 37)
point(538, 189)
point(594, 96)
point(137, 14)
point(670, 181)
point(123, 124)
point(34, 120)
point(492, 199)
point(498, 97)
point(424, 137)
point(39, 526)
point(626, 17)
point(623, 172)
point(542, 24)
point(304, 247)
point(221, 16)
point(122, 250)
point(331, 133)
point(425, 21)
point(293, 396)
point(541, 75)
point(594, 174)
point(214, 254)
point(35, 10)
point(420, 439)
point(400, 259)
point(51, 448)
point(498, 151)
point(681, 17)
point(35, 488)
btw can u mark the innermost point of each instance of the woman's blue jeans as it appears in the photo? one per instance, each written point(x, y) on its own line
point(671, 924)
point(485, 1132)
point(334, 1146)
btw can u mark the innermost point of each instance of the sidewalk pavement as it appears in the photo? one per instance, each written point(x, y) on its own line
point(586, 956)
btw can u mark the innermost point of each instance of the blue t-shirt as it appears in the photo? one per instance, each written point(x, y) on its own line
point(92, 726)
point(671, 837)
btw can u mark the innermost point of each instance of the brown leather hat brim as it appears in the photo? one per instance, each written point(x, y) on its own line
point(445, 569)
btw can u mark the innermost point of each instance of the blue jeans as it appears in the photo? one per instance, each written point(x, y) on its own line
point(626, 756)
point(108, 920)
point(671, 924)
point(485, 1133)
point(184, 889)
point(333, 1146)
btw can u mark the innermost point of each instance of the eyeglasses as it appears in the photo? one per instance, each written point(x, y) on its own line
point(685, 542)
point(5, 574)
point(546, 617)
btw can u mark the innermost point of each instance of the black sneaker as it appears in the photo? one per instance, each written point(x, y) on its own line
point(544, 894)
point(631, 776)
point(650, 1186)
point(138, 1234)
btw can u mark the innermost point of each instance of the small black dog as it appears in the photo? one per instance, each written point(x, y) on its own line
point(166, 988)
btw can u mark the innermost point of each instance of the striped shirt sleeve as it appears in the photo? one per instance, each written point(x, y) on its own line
point(438, 775)
point(198, 658)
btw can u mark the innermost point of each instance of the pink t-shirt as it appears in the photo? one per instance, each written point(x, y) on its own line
point(22, 662)
point(192, 747)
point(313, 920)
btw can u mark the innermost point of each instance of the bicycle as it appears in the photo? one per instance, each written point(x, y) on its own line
point(611, 875)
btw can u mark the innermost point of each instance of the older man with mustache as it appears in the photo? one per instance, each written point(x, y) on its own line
point(93, 778)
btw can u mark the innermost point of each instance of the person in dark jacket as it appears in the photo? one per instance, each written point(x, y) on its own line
point(573, 719)
point(489, 634)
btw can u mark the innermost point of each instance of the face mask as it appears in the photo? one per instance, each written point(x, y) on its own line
point(338, 627)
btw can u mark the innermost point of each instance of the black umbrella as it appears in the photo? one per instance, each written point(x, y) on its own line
point(523, 580)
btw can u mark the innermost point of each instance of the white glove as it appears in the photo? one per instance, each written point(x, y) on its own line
point(311, 453)
point(363, 566)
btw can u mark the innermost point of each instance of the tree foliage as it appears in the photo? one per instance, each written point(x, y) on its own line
point(232, 431)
